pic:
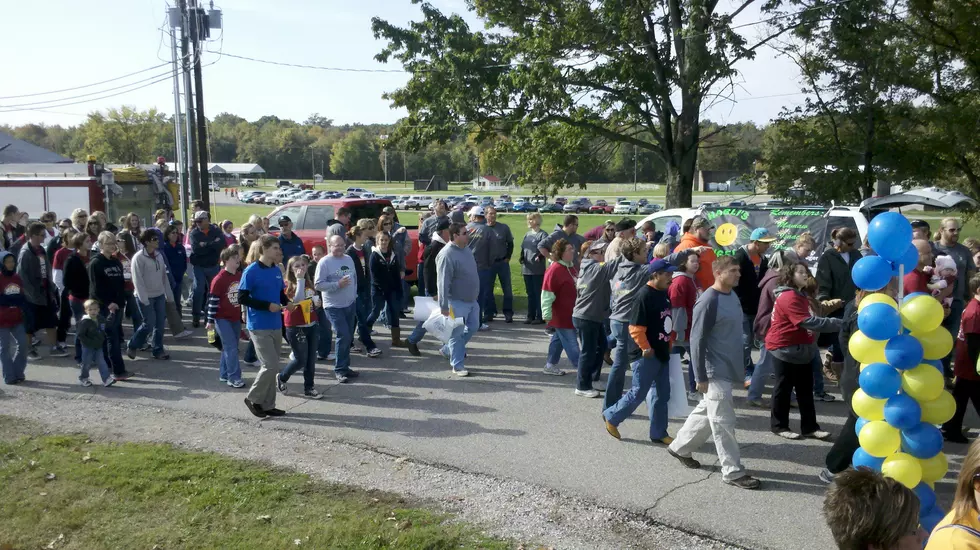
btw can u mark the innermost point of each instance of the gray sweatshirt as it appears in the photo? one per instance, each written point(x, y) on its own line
point(716, 334)
point(532, 262)
point(329, 271)
point(626, 283)
point(502, 248)
point(428, 227)
point(592, 303)
point(457, 275)
point(482, 244)
point(150, 277)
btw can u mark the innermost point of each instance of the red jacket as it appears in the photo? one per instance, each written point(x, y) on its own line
point(223, 302)
point(558, 279)
point(791, 309)
point(704, 275)
point(683, 293)
point(12, 300)
point(965, 366)
point(916, 281)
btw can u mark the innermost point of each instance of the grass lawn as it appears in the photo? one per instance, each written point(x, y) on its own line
point(67, 492)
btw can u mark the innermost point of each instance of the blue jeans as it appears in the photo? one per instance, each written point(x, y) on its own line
point(363, 310)
point(649, 375)
point(93, 356)
point(202, 283)
point(303, 341)
point(343, 320)
point(470, 313)
point(533, 284)
point(389, 301)
point(564, 339)
point(748, 341)
point(617, 374)
point(486, 293)
point(154, 319)
point(230, 333)
point(13, 353)
point(324, 334)
point(501, 270)
point(133, 310)
point(77, 311)
point(113, 341)
point(592, 344)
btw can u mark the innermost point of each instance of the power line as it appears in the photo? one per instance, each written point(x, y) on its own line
point(46, 101)
point(86, 85)
point(316, 67)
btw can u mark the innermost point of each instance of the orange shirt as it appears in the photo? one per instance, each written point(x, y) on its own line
point(704, 275)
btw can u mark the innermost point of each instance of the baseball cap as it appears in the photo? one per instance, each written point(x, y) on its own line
point(598, 245)
point(699, 222)
point(477, 211)
point(762, 235)
point(201, 215)
point(625, 224)
point(660, 264)
point(916, 224)
point(442, 225)
point(388, 210)
point(286, 219)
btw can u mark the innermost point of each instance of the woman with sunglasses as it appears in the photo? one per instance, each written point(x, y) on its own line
point(834, 283)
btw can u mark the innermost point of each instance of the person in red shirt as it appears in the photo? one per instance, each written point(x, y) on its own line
point(13, 338)
point(791, 343)
point(967, 386)
point(132, 308)
point(683, 292)
point(300, 321)
point(224, 314)
point(557, 302)
point(917, 280)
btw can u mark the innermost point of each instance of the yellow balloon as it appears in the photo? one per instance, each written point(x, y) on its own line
point(939, 410)
point(862, 365)
point(924, 382)
point(868, 407)
point(903, 468)
point(935, 468)
point(877, 298)
point(922, 314)
point(879, 439)
point(866, 350)
point(936, 344)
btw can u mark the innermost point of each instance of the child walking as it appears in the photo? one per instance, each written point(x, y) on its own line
point(91, 333)
point(13, 338)
point(386, 279)
point(301, 326)
point(225, 315)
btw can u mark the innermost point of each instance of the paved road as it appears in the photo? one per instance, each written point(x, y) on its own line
point(509, 421)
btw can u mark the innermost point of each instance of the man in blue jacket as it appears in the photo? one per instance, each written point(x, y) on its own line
point(206, 242)
point(290, 242)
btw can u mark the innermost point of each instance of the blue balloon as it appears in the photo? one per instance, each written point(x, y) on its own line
point(879, 380)
point(927, 497)
point(902, 411)
point(922, 441)
point(871, 273)
point(908, 297)
point(936, 363)
point(908, 262)
point(889, 235)
point(862, 458)
point(931, 519)
point(860, 424)
point(903, 352)
point(879, 321)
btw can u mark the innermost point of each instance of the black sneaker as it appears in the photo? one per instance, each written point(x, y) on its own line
point(33, 355)
point(351, 373)
point(508, 318)
point(131, 353)
point(528, 321)
point(745, 482)
point(275, 412)
point(280, 384)
point(413, 348)
point(687, 461)
point(255, 409)
point(342, 378)
point(196, 323)
point(953, 437)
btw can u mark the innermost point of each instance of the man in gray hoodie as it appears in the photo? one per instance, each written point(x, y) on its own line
point(456, 270)
point(482, 243)
point(39, 290)
point(716, 334)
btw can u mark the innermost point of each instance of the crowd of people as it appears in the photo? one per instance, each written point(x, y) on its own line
point(627, 296)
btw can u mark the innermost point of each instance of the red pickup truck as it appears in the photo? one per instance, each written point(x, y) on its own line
point(310, 220)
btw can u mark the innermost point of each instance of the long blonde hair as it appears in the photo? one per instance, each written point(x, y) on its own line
point(254, 252)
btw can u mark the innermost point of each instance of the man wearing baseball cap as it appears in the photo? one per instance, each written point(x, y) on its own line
point(289, 242)
point(752, 266)
point(625, 229)
point(206, 242)
point(482, 243)
point(697, 237)
point(650, 327)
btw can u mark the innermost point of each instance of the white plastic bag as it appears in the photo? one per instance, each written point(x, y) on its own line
point(677, 407)
point(440, 326)
point(424, 306)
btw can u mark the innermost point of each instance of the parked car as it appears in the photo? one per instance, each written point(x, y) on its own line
point(412, 202)
point(504, 206)
point(561, 200)
point(649, 208)
point(553, 207)
point(524, 205)
point(539, 201)
point(626, 207)
point(283, 183)
point(249, 196)
point(737, 203)
point(310, 219)
point(464, 206)
point(247, 183)
point(213, 186)
point(356, 191)
point(642, 202)
point(305, 186)
point(486, 201)
point(601, 207)
point(578, 206)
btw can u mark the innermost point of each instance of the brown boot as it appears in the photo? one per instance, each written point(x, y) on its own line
point(828, 371)
point(396, 338)
point(607, 357)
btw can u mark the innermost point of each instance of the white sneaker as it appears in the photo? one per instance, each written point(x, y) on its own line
point(252, 364)
point(292, 356)
point(599, 385)
point(819, 434)
point(587, 393)
point(553, 370)
point(331, 356)
point(186, 334)
point(484, 326)
point(461, 372)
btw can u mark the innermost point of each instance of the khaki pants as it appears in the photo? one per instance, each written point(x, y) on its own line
point(714, 417)
point(267, 344)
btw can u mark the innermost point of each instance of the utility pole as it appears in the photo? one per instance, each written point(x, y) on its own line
point(202, 123)
point(405, 166)
point(191, 166)
point(384, 149)
point(312, 167)
point(180, 162)
point(634, 168)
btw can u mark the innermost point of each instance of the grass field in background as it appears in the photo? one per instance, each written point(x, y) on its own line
point(66, 491)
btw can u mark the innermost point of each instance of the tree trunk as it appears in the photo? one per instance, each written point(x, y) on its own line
point(682, 161)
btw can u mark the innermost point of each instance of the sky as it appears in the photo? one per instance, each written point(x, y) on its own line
point(66, 43)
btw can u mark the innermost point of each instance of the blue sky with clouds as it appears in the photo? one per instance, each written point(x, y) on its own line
point(56, 44)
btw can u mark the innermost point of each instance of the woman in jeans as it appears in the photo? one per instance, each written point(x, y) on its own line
point(533, 267)
point(132, 307)
point(791, 343)
point(301, 326)
point(557, 301)
point(386, 286)
point(360, 252)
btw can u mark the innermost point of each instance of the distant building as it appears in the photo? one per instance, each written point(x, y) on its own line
point(230, 173)
point(487, 182)
point(18, 151)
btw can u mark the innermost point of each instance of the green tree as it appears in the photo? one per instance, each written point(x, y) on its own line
point(356, 157)
point(126, 135)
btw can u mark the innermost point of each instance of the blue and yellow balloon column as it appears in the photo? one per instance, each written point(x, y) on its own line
point(902, 399)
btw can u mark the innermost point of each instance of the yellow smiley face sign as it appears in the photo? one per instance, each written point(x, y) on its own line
point(726, 234)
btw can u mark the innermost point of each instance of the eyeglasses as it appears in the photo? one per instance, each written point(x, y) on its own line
point(953, 229)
